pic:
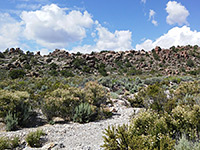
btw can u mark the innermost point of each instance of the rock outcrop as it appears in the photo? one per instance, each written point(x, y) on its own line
point(171, 61)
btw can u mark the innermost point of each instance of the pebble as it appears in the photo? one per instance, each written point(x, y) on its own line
point(77, 136)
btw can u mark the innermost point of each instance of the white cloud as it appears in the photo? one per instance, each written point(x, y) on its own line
point(175, 36)
point(9, 31)
point(118, 41)
point(152, 17)
point(143, 1)
point(151, 14)
point(52, 28)
point(177, 13)
point(154, 22)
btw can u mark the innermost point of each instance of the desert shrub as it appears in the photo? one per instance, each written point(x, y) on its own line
point(83, 113)
point(133, 71)
point(190, 63)
point(136, 101)
point(184, 144)
point(103, 113)
point(6, 143)
point(2, 55)
point(53, 72)
point(33, 61)
point(11, 122)
point(3, 74)
point(34, 138)
point(95, 93)
point(107, 81)
point(128, 64)
point(149, 123)
point(66, 73)
point(151, 130)
point(152, 97)
point(154, 80)
point(186, 120)
point(14, 142)
point(102, 70)
point(196, 47)
point(78, 62)
point(129, 137)
point(53, 66)
point(61, 103)
point(155, 55)
point(19, 73)
point(114, 95)
point(86, 69)
point(27, 66)
point(16, 103)
point(194, 72)
point(187, 93)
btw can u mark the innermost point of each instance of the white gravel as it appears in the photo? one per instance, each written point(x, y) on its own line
point(74, 136)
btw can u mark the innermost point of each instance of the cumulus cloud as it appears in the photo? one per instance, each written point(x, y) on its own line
point(177, 13)
point(9, 31)
point(152, 17)
point(175, 36)
point(52, 27)
point(118, 41)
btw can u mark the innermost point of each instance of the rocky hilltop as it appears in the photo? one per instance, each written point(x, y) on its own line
point(174, 61)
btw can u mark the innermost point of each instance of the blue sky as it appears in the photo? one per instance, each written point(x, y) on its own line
point(94, 25)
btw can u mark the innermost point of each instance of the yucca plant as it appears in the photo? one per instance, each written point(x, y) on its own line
point(83, 113)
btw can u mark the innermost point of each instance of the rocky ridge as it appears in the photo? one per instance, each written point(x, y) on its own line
point(174, 61)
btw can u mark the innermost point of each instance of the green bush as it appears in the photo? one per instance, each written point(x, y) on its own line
point(27, 66)
point(102, 70)
point(6, 143)
point(34, 138)
point(186, 119)
point(53, 66)
point(78, 62)
point(14, 106)
point(2, 55)
point(155, 55)
point(95, 93)
point(114, 95)
point(66, 73)
point(152, 97)
point(83, 113)
point(187, 93)
point(19, 73)
point(11, 122)
point(86, 69)
point(53, 72)
point(14, 142)
point(151, 130)
point(61, 103)
point(190, 63)
point(123, 137)
point(184, 144)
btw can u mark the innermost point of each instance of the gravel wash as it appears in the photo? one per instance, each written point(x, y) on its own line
point(75, 136)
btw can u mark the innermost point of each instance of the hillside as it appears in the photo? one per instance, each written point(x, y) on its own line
point(174, 61)
point(107, 100)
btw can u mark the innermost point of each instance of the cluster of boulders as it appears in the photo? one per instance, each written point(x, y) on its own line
point(168, 61)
